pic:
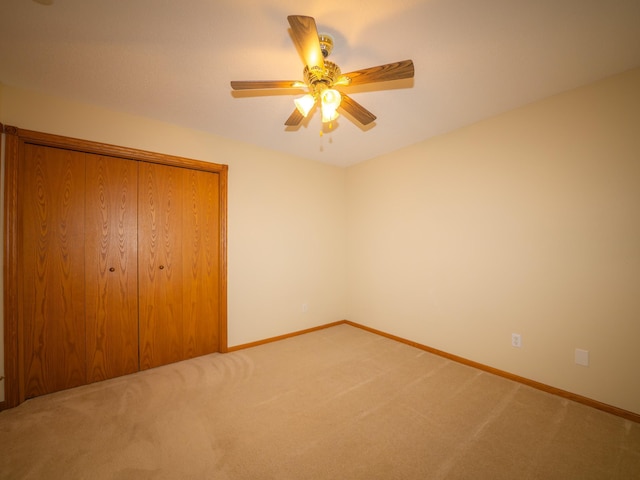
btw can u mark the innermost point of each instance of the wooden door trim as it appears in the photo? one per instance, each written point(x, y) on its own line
point(16, 138)
point(12, 361)
point(87, 146)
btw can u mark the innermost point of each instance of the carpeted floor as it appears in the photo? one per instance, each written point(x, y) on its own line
point(339, 403)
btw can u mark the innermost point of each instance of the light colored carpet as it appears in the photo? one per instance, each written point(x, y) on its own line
point(339, 403)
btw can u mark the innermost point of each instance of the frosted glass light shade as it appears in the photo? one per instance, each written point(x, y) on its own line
point(328, 114)
point(331, 98)
point(330, 102)
point(305, 104)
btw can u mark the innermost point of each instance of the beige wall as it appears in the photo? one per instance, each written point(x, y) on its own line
point(286, 216)
point(528, 222)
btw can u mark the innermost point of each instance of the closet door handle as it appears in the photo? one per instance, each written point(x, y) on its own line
point(161, 267)
point(112, 269)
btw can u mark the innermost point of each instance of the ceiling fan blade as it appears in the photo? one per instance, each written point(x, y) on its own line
point(382, 73)
point(357, 111)
point(305, 36)
point(294, 119)
point(263, 84)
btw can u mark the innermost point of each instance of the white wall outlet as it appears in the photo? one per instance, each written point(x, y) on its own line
point(516, 340)
point(305, 307)
point(582, 357)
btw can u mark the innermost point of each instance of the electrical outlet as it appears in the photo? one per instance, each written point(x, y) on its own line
point(516, 340)
point(582, 357)
point(305, 307)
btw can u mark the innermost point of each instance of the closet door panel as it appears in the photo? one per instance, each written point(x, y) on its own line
point(201, 262)
point(52, 269)
point(111, 267)
point(160, 271)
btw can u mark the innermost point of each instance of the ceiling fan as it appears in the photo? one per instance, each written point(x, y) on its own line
point(321, 77)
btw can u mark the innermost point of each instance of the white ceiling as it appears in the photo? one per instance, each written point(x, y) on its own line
point(173, 61)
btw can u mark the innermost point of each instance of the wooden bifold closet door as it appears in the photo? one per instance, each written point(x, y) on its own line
point(52, 269)
point(178, 263)
point(118, 262)
point(79, 264)
point(111, 267)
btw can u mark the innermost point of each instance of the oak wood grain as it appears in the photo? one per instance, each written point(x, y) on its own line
point(294, 119)
point(201, 255)
point(160, 264)
point(52, 266)
point(305, 37)
point(111, 267)
point(357, 111)
point(264, 84)
point(382, 73)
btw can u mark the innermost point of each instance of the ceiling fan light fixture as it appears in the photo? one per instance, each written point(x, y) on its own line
point(322, 76)
point(330, 100)
point(329, 115)
point(305, 104)
point(343, 80)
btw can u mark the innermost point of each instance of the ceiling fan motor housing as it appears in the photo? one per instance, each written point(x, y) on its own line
point(326, 44)
point(320, 79)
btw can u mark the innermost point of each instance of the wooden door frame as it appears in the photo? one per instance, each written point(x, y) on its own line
point(15, 140)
